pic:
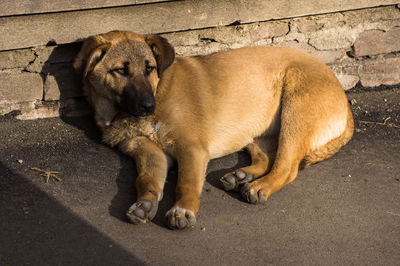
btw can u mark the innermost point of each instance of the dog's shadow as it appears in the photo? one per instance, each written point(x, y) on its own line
point(126, 194)
point(58, 67)
point(217, 168)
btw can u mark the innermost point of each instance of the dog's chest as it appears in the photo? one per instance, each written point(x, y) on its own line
point(129, 128)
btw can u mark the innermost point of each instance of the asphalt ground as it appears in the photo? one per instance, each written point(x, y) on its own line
point(343, 211)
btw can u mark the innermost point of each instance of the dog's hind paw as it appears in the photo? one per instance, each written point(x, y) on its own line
point(142, 211)
point(232, 181)
point(180, 218)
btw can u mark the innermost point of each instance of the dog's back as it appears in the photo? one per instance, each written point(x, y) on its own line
point(232, 97)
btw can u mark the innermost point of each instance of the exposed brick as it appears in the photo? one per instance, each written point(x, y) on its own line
point(380, 71)
point(20, 87)
point(16, 59)
point(374, 42)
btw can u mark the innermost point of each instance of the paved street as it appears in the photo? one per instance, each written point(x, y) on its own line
point(343, 211)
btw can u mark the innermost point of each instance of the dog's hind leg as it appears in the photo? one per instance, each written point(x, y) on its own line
point(283, 171)
point(293, 144)
point(261, 162)
point(152, 168)
point(301, 126)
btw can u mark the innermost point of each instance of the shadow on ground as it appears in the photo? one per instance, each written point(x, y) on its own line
point(38, 230)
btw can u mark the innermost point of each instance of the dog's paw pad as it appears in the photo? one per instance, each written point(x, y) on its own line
point(232, 181)
point(141, 211)
point(229, 182)
point(180, 218)
point(254, 195)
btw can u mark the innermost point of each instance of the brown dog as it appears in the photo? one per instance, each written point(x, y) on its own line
point(155, 106)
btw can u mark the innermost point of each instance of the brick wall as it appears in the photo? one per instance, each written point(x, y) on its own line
point(361, 46)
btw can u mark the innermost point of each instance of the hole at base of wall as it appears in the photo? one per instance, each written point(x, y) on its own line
point(52, 42)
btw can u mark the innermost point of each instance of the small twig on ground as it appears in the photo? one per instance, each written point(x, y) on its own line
point(393, 213)
point(385, 123)
point(48, 174)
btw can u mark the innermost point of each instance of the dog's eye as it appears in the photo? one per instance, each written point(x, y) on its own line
point(150, 69)
point(122, 71)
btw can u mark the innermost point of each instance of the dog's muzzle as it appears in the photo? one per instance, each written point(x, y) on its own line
point(145, 107)
point(138, 104)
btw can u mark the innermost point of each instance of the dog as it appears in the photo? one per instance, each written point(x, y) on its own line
point(158, 108)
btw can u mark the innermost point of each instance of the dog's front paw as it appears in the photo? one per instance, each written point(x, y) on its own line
point(231, 181)
point(180, 218)
point(142, 211)
point(255, 193)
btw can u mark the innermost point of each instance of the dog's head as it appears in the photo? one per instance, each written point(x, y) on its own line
point(121, 71)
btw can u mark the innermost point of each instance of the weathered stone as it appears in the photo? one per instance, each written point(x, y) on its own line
point(383, 71)
point(58, 54)
point(39, 112)
point(328, 37)
point(291, 36)
point(329, 21)
point(187, 38)
point(225, 35)
point(20, 87)
point(61, 83)
point(35, 66)
point(347, 81)
point(267, 30)
point(325, 56)
point(329, 56)
point(346, 66)
point(371, 15)
point(20, 107)
point(374, 42)
point(309, 24)
point(202, 49)
point(51, 89)
point(16, 58)
point(45, 57)
point(331, 39)
point(65, 27)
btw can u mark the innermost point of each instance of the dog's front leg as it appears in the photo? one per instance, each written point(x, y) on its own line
point(152, 168)
point(192, 163)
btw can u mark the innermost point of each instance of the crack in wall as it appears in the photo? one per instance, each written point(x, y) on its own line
point(29, 67)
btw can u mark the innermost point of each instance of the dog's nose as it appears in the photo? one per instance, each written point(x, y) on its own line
point(148, 106)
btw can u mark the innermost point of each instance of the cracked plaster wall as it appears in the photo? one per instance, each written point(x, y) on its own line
point(362, 47)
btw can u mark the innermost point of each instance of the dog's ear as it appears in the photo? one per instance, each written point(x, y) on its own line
point(92, 51)
point(162, 50)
